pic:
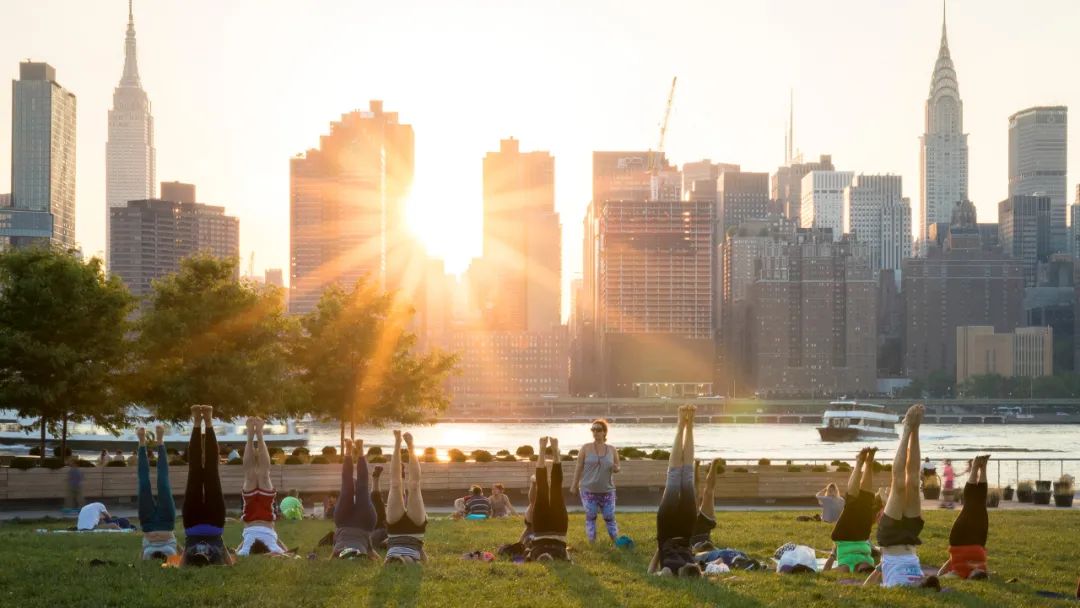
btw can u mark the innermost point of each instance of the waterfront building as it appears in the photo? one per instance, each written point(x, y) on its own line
point(943, 149)
point(1052, 303)
point(823, 201)
point(1037, 162)
point(130, 160)
point(42, 204)
point(959, 282)
point(1025, 352)
point(347, 209)
point(813, 317)
point(151, 237)
point(1074, 226)
point(496, 366)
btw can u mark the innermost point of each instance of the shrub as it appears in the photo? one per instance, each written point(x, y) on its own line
point(837, 463)
point(843, 467)
point(1025, 486)
point(764, 462)
point(819, 468)
point(301, 451)
point(374, 451)
point(293, 460)
point(456, 455)
point(525, 450)
point(789, 463)
point(56, 452)
point(659, 454)
point(24, 462)
point(932, 481)
point(35, 451)
point(1064, 485)
point(274, 451)
point(567, 458)
point(482, 456)
point(116, 463)
point(85, 464)
point(574, 452)
point(235, 461)
point(177, 462)
point(502, 453)
point(320, 460)
point(329, 450)
point(377, 459)
point(534, 458)
point(430, 455)
point(794, 469)
point(740, 470)
point(508, 457)
point(631, 453)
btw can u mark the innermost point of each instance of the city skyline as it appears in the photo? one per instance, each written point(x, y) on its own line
point(228, 84)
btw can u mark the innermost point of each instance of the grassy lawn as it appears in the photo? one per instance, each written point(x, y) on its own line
point(1037, 547)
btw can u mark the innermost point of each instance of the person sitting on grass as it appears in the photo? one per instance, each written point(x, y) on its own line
point(705, 521)
point(406, 518)
point(259, 534)
point(157, 518)
point(831, 503)
point(95, 516)
point(477, 506)
point(899, 528)
point(354, 515)
point(204, 505)
point(852, 530)
point(548, 509)
point(292, 508)
point(967, 540)
point(500, 502)
point(677, 512)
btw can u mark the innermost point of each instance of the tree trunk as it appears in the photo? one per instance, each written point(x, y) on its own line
point(352, 429)
point(42, 455)
point(63, 439)
point(341, 443)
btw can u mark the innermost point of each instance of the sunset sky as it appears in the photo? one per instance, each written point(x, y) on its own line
point(240, 86)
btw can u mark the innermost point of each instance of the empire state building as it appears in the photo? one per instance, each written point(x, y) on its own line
point(943, 153)
point(129, 153)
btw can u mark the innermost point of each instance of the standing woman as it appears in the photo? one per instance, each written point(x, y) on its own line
point(596, 463)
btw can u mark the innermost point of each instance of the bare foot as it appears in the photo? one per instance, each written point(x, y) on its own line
point(159, 434)
point(358, 446)
point(250, 424)
point(346, 447)
point(259, 424)
point(914, 415)
point(408, 440)
point(208, 415)
point(141, 434)
point(862, 455)
point(543, 445)
point(397, 440)
point(554, 448)
point(871, 454)
point(196, 413)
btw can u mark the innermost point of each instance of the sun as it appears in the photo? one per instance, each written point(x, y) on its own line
point(445, 217)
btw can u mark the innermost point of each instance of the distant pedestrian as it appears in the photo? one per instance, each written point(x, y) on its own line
point(928, 468)
point(74, 485)
point(119, 457)
point(832, 504)
point(593, 480)
point(949, 477)
point(103, 458)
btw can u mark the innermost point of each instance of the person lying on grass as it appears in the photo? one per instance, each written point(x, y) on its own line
point(406, 517)
point(259, 535)
point(547, 508)
point(852, 531)
point(354, 515)
point(677, 512)
point(899, 528)
point(967, 540)
point(204, 505)
point(157, 518)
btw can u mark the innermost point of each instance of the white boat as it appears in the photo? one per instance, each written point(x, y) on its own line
point(852, 421)
point(89, 436)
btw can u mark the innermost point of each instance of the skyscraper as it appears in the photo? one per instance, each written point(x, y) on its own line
point(740, 196)
point(1074, 226)
point(823, 201)
point(1037, 162)
point(346, 204)
point(943, 151)
point(151, 237)
point(522, 240)
point(129, 153)
point(786, 184)
point(1025, 226)
point(877, 213)
point(42, 161)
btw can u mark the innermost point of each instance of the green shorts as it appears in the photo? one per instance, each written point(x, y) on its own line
point(851, 553)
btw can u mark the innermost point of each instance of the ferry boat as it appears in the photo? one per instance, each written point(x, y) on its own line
point(86, 436)
point(852, 421)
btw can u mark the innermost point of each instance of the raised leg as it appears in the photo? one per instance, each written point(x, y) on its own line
point(856, 474)
point(346, 499)
point(263, 461)
point(215, 500)
point(416, 511)
point(193, 510)
point(251, 459)
point(688, 441)
point(395, 505)
point(166, 506)
point(707, 507)
point(894, 506)
point(912, 498)
point(146, 497)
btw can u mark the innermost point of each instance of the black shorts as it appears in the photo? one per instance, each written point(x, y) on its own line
point(703, 526)
point(904, 531)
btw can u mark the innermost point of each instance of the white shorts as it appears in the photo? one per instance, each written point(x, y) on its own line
point(268, 536)
point(901, 570)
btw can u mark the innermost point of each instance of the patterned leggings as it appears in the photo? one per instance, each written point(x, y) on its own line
point(604, 504)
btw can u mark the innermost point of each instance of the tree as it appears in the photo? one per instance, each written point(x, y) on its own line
point(359, 363)
point(63, 346)
point(939, 384)
point(207, 338)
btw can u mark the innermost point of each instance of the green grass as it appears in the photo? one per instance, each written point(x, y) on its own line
point(1037, 547)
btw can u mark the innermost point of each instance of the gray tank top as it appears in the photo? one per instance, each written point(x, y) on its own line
point(596, 477)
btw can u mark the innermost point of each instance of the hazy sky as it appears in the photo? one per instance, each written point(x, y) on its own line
point(240, 86)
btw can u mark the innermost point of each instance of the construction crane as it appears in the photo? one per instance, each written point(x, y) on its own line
point(654, 159)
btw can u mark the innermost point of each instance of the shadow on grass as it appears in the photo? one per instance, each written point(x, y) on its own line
point(583, 585)
point(713, 592)
point(396, 585)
